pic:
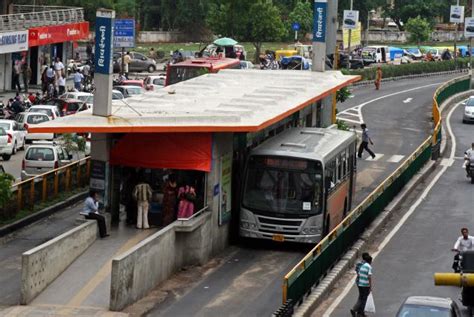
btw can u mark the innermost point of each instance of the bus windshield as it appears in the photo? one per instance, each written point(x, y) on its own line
point(181, 73)
point(283, 185)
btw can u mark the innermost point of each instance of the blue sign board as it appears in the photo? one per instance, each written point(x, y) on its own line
point(103, 45)
point(124, 33)
point(295, 26)
point(319, 22)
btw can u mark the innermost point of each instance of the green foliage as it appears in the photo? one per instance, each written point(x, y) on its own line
point(6, 181)
point(74, 143)
point(303, 14)
point(342, 125)
point(343, 94)
point(420, 30)
point(403, 10)
point(390, 71)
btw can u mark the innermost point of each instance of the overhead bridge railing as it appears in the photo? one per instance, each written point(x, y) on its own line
point(40, 191)
point(314, 266)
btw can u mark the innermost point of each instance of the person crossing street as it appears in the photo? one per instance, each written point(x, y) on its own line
point(364, 145)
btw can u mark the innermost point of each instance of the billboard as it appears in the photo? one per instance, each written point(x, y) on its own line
point(319, 21)
point(356, 36)
point(351, 19)
point(457, 14)
point(104, 25)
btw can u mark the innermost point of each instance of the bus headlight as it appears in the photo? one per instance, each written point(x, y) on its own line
point(312, 225)
point(247, 220)
point(311, 230)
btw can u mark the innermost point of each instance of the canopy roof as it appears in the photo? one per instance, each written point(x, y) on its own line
point(229, 101)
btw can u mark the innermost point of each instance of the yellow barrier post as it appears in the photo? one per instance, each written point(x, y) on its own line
point(45, 188)
point(285, 290)
point(68, 178)
point(32, 193)
point(78, 175)
point(19, 197)
point(56, 183)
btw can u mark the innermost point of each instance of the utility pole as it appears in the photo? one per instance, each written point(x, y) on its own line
point(455, 42)
point(349, 40)
point(470, 48)
point(319, 35)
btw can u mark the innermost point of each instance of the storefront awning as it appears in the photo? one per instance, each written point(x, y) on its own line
point(180, 151)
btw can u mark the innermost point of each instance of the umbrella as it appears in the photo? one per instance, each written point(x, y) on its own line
point(225, 41)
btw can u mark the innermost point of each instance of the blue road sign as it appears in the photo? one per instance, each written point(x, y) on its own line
point(124, 33)
point(319, 22)
point(295, 26)
point(103, 44)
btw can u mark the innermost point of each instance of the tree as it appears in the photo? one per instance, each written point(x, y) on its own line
point(403, 10)
point(303, 14)
point(264, 25)
point(420, 30)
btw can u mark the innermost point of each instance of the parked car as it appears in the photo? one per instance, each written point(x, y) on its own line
point(66, 106)
point(415, 306)
point(78, 95)
point(27, 119)
point(414, 53)
point(138, 63)
point(246, 65)
point(89, 102)
point(5, 151)
point(468, 114)
point(155, 82)
point(129, 91)
point(16, 133)
point(43, 157)
point(51, 111)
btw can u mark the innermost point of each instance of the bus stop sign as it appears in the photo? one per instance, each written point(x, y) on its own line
point(295, 26)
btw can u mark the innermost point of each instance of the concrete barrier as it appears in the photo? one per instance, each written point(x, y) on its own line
point(152, 261)
point(42, 265)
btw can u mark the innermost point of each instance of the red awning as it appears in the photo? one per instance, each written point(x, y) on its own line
point(180, 151)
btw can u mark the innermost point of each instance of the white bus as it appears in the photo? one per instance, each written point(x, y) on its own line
point(298, 185)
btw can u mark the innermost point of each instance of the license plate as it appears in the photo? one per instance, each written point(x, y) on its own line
point(278, 237)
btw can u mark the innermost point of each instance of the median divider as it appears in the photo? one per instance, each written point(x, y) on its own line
point(318, 262)
point(40, 266)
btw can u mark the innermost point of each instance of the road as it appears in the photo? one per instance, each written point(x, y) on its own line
point(249, 283)
point(405, 265)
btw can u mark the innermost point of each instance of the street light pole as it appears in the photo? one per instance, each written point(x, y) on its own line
point(367, 29)
point(349, 41)
point(455, 42)
point(470, 49)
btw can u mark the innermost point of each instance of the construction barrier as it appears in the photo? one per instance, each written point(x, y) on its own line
point(36, 192)
point(314, 266)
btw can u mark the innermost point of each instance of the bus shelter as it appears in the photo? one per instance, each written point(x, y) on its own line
point(200, 131)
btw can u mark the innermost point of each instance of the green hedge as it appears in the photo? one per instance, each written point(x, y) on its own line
point(390, 71)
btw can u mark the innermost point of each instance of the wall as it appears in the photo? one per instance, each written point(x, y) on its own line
point(390, 36)
point(152, 261)
point(158, 36)
point(55, 255)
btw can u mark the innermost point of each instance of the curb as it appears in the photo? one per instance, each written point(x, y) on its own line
point(369, 82)
point(10, 228)
point(320, 292)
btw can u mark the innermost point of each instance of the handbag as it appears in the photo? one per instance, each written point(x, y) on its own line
point(370, 305)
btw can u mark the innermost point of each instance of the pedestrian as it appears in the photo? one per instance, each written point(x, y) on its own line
point(152, 53)
point(364, 284)
point(378, 78)
point(170, 200)
point(59, 68)
point(16, 76)
point(91, 211)
point(61, 85)
point(364, 145)
point(464, 243)
point(26, 73)
point(187, 196)
point(126, 60)
point(142, 194)
point(50, 75)
point(78, 78)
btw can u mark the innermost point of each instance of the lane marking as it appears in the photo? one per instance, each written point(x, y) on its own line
point(407, 100)
point(395, 158)
point(362, 105)
point(405, 217)
point(378, 156)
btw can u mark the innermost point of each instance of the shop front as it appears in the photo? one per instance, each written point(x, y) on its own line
point(13, 47)
point(48, 42)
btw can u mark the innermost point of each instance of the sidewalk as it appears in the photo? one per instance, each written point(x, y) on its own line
point(41, 311)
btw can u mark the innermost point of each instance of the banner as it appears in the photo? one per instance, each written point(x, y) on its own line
point(356, 36)
point(351, 20)
point(104, 24)
point(319, 21)
point(58, 33)
point(13, 42)
point(457, 14)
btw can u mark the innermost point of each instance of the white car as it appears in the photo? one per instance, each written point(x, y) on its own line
point(116, 95)
point(129, 91)
point(44, 157)
point(5, 152)
point(155, 82)
point(51, 111)
point(27, 119)
point(78, 95)
point(468, 114)
point(16, 139)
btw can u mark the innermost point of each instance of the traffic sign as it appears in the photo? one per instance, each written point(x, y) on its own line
point(295, 26)
point(469, 28)
point(124, 33)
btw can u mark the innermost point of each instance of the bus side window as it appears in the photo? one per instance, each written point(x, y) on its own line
point(339, 168)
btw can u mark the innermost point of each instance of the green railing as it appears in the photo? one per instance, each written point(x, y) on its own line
point(326, 253)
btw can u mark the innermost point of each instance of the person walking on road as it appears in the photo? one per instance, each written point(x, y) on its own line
point(61, 85)
point(378, 78)
point(142, 194)
point(78, 78)
point(91, 211)
point(126, 60)
point(364, 284)
point(364, 145)
point(464, 243)
point(16, 76)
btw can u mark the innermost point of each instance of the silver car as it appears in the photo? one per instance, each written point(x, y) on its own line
point(43, 157)
point(416, 306)
point(468, 114)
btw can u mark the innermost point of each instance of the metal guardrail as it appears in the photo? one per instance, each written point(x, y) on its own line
point(38, 190)
point(313, 267)
point(194, 215)
point(49, 16)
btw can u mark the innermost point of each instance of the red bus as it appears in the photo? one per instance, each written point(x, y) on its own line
point(191, 68)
